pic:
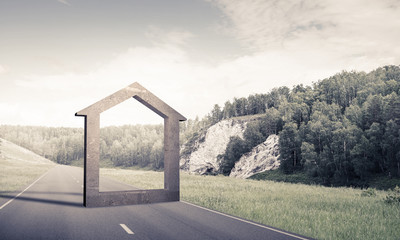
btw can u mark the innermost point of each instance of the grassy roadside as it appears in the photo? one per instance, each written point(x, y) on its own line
point(377, 181)
point(19, 167)
point(314, 211)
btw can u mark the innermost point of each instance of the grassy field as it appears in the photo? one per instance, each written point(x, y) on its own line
point(19, 167)
point(314, 211)
point(377, 181)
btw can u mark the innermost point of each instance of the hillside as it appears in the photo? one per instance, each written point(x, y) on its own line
point(14, 153)
point(206, 151)
point(19, 166)
point(342, 130)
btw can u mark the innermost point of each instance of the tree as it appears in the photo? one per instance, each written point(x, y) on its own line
point(290, 148)
point(234, 150)
point(229, 110)
point(372, 110)
point(391, 147)
point(216, 114)
point(309, 159)
point(355, 115)
point(361, 159)
point(252, 135)
point(271, 123)
point(115, 153)
point(375, 137)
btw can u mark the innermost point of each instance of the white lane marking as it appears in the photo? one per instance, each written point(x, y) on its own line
point(5, 204)
point(242, 220)
point(126, 228)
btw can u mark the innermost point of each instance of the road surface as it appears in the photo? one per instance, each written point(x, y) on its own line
point(51, 208)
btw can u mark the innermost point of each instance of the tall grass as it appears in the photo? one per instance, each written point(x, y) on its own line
point(314, 211)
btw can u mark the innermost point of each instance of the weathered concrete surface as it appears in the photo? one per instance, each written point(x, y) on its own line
point(92, 196)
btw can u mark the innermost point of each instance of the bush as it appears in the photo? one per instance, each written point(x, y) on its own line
point(393, 196)
point(370, 192)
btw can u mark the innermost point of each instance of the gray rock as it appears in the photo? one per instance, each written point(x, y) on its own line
point(204, 160)
point(262, 158)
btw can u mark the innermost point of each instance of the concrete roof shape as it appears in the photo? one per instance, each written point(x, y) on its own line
point(92, 197)
point(138, 92)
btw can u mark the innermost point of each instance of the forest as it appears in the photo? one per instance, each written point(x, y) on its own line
point(340, 130)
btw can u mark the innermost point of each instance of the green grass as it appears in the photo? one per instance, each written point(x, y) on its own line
point(19, 167)
point(279, 176)
point(313, 211)
point(138, 178)
point(377, 181)
point(103, 163)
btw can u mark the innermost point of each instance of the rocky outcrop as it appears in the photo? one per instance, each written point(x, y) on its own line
point(263, 157)
point(204, 160)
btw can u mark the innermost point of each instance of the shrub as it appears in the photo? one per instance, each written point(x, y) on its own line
point(393, 196)
point(370, 192)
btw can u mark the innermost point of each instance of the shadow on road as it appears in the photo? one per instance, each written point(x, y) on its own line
point(44, 200)
point(5, 193)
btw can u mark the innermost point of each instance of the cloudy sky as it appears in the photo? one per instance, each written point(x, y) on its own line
point(59, 56)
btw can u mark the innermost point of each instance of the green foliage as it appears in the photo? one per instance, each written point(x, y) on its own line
point(382, 182)
point(279, 176)
point(253, 135)
point(343, 130)
point(235, 149)
point(290, 147)
point(370, 192)
point(393, 196)
point(61, 145)
point(347, 126)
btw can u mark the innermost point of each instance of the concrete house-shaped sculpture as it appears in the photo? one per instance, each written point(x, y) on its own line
point(91, 195)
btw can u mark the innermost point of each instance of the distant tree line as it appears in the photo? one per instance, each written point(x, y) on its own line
point(140, 145)
point(342, 129)
point(61, 145)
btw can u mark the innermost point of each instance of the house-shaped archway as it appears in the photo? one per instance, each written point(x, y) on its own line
point(91, 195)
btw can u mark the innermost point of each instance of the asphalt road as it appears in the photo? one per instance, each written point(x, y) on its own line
point(51, 208)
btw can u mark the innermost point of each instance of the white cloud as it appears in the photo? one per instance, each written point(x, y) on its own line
point(336, 29)
point(161, 37)
point(190, 88)
point(64, 2)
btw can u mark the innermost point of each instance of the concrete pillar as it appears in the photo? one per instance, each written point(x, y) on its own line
point(171, 154)
point(92, 149)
